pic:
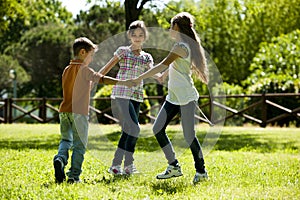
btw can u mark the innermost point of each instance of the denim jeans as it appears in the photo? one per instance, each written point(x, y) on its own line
point(74, 134)
point(127, 111)
point(165, 115)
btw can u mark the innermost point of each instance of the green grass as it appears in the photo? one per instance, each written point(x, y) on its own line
point(244, 163)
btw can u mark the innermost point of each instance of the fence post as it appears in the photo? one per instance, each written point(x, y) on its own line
point(264, 111)
point(5, 114)
point(44, 110)
point(10, 113)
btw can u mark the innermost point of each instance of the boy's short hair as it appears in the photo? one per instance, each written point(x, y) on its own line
point(83, 43)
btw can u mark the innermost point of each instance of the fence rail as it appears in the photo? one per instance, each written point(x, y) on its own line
point(257, 109)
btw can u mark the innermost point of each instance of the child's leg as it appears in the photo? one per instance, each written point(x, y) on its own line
point(80, 139)
point(188, 125)
point(66, 138)
point(130, 109)
point(165, 115)
point(127, 112)
point(118, 156)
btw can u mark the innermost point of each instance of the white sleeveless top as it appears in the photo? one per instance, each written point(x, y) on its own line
point(181, 89)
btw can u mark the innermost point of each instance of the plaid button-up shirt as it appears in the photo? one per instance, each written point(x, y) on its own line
point(131, 66)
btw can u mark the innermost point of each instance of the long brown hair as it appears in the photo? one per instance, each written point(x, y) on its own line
point(185, 22)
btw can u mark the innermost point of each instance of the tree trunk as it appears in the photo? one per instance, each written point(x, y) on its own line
point(132, 11)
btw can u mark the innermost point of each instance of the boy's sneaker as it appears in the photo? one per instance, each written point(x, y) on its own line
point(73, 180)
point(130, 169)
point(200, 177)
point(115, 170)
point(59, 170)
point(170, 172)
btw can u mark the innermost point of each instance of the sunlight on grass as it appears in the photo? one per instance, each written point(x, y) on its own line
point(246, 163)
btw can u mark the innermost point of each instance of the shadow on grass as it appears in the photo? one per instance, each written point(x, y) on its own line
point(46, 143)
point(168, 186)
point(147, 142)
point(110, 141)
point(249, 142)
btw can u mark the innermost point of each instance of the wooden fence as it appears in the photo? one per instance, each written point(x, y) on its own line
point(257, 109)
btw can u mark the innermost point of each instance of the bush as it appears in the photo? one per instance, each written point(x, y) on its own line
point(275, 69)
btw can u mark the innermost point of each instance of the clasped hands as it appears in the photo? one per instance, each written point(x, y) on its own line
point(131, 82)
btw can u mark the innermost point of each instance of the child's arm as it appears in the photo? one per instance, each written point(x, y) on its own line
point(113, 81)
point(173, 55)
point(113, 61)
point(162, 76)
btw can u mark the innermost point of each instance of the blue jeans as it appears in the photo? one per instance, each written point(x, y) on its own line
point(165, 115)
point(74, 134)
point(127, 111)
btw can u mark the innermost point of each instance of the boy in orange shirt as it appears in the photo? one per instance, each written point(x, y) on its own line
point(77, 80)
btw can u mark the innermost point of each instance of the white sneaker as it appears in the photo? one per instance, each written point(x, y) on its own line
point(200, 177)
point(115, 170)
point(130, 169)
point(170, 172)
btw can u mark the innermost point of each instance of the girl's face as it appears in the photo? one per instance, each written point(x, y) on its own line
point(137, 37)
point(174, 31)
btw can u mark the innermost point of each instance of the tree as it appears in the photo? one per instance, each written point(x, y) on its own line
point(276, 66)
point(133, 9)
point(19, 16)
point(27, 36)
point(7, 63)
point(44, 51)
point(232, 31)
point(276, 69)
point(101, 22)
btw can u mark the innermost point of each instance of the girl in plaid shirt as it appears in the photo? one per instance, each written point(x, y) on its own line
point(133, 62)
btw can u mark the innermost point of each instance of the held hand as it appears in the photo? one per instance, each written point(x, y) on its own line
point(136, 81)
point(160, 79)
point(128, 83)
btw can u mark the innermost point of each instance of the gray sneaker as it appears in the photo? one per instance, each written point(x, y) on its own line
point(130, 169)
point(59, 169)
point(115, 170)
point(170, 172)
point(200, 177)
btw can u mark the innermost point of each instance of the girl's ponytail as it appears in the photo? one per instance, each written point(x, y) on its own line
point(185, 23)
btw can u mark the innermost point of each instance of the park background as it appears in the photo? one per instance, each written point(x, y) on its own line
point(255, 46)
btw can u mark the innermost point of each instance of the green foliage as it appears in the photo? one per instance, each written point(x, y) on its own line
point(101, 22)
point(253, 164)
point(275, 68)
point(232, 30)
point(44, 51)
point(7, 63)
point(104, 91)
point(20, 16)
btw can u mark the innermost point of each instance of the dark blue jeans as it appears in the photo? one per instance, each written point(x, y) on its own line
point(127, 111)
point(165, 115)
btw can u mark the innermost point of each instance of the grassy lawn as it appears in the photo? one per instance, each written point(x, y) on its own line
point(242, 162)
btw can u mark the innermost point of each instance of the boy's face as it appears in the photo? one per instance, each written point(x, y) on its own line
point(87, 56)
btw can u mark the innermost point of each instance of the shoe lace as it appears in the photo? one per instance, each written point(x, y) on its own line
point(169, 169)
point(130, 168)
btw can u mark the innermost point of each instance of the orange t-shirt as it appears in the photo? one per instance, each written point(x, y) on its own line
point(77, 83)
